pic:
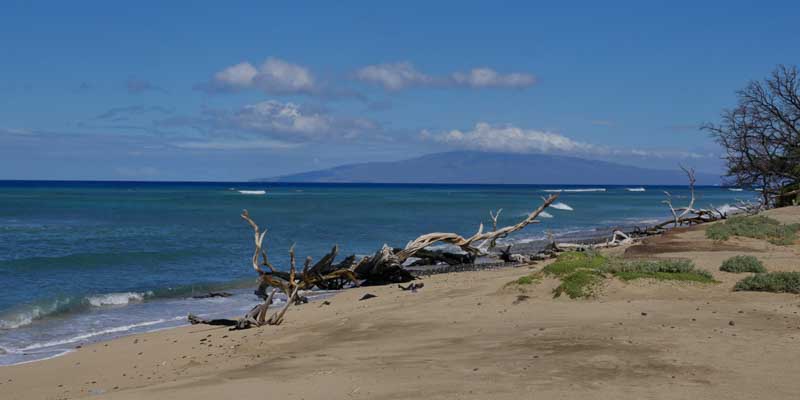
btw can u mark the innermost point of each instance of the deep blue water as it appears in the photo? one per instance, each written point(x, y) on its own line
point(84, 261)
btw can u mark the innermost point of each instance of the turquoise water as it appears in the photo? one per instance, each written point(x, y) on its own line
point(86, 261)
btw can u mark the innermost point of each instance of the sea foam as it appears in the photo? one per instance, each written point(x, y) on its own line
point(116, 299)
point(85, 336)
point(574, 190)
point(561, 206)
point(253, 192)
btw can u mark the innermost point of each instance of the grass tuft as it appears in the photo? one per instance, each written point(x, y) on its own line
point(582, 272)
point(775, 282)
point(572, 261)
point(579, 284)
point(527, 280)
point(675, 270)
point(743, 264)
point(757, 227)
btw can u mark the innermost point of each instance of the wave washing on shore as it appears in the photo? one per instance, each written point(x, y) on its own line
point(84, 262)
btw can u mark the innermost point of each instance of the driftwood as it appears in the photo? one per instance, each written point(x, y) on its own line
point(321, 274)
point(675, 213)
point(494, 217)
point(428, 257)
point(385, 266)
point(212, 294)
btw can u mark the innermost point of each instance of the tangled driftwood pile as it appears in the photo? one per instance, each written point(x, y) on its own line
point(387, 265)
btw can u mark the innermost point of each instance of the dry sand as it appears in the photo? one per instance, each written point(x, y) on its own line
point(467, 336)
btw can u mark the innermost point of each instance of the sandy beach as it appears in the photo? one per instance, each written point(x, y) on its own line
point(468, 335)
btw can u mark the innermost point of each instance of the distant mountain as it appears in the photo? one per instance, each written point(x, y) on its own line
point(497, 168)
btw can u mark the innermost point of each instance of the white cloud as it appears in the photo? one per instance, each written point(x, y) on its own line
point(274, 116)
point(274, 76)
point(238, 76)
point(487, 77)
point(393, 76)
point(508, 138)
point(278, 76)
point(401, 75)
point(270, 122)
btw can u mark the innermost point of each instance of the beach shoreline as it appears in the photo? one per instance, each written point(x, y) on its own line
point(474, 337)
point(241, 291)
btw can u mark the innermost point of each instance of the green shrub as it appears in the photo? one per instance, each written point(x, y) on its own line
point(677, 270)
point(757, 227)
point(776, 282)
point(579, 284)
point(572, 261)
point(527, 279)
point(742, 264)
point(582, 272)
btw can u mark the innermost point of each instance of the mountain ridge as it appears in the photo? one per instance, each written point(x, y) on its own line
point(474, 167)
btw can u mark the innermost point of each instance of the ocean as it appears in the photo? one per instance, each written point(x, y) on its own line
point(82, 262)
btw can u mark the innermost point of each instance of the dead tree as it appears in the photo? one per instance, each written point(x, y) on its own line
point(684, 211)
point(319, 275)
point(494, 217)
point(386, 265)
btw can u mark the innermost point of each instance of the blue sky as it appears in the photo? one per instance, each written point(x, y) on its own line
point(240, 90)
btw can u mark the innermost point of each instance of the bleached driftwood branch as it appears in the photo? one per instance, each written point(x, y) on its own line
point(468, 244)
point(681, 213)
point(494, 217)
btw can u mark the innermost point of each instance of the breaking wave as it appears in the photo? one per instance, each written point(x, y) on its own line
point(117, 299)
point(639, 189)
point(253, 192)
point(25, 315)
point(574, 190)
point(561, 206)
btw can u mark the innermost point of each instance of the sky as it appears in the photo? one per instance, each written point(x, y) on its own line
point(212, 90)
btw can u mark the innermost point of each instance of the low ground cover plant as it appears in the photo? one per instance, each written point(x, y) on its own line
point(757, 227)
point(581, 273)
point(740, 264)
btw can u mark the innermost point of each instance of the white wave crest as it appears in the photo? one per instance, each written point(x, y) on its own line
point(736, 189)
point(545, 214)
point(89, 335)
point(27, 317)
point(115, 299)
point(253, 192)
point(729, 209)
point(561, 206)
point(574, 190)
point(639, 189)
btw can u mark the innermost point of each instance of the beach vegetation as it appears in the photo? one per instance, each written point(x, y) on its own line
point(756, 227)
point(529, 279)
point(775, 282)
point(572, 261)
point(581, 273)
point(579, 284)
point(739, 264)
point(675, 270)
